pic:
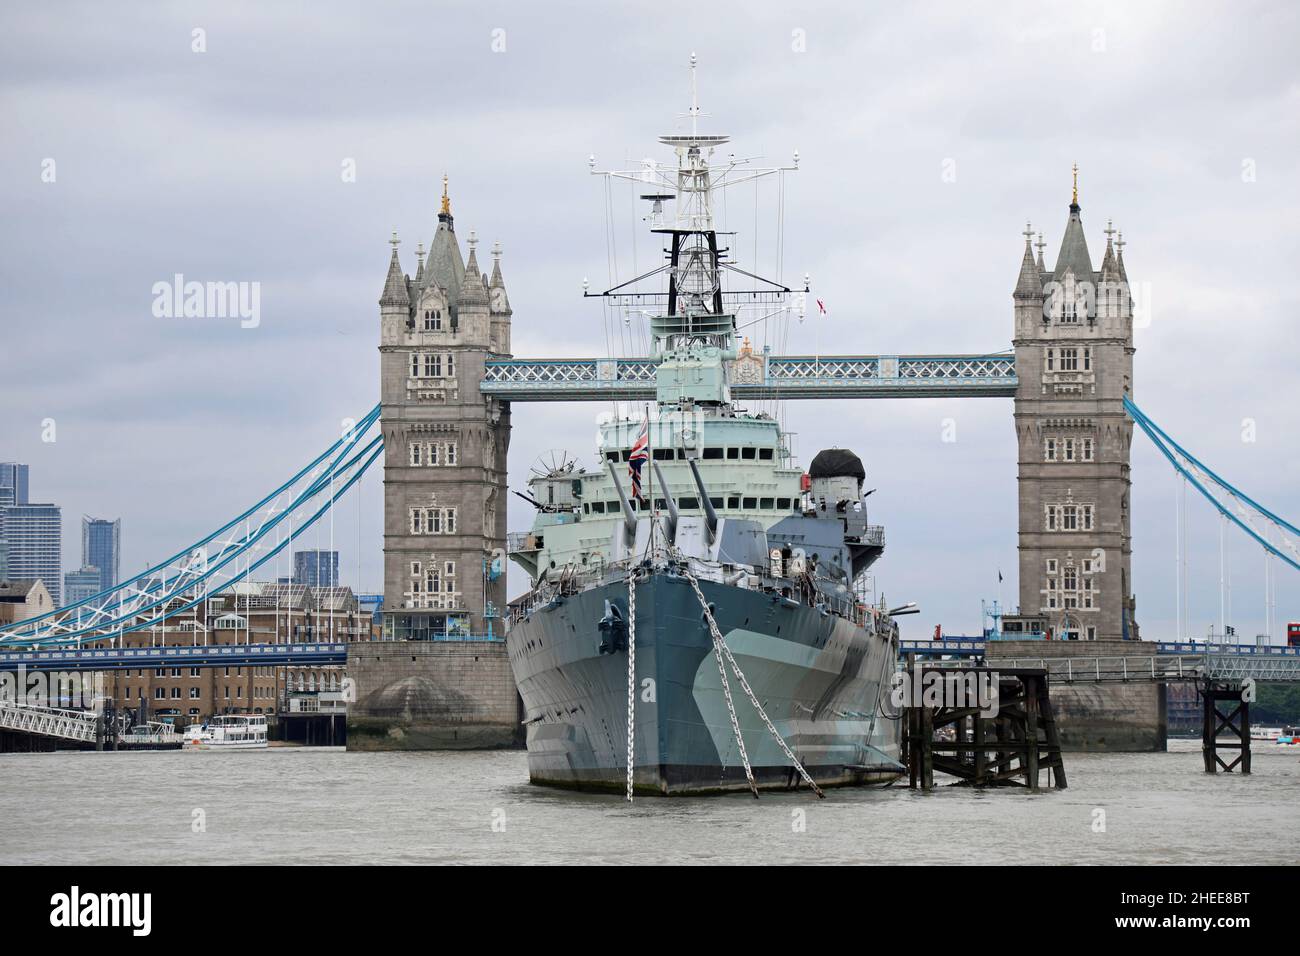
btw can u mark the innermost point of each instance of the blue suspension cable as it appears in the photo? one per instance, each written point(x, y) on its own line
point(22, 631)
point(1136, 412)
point(74, 638)
point(361, 426)
point(1151, 431)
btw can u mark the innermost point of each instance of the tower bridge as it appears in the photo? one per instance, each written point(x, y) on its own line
point(448, 381)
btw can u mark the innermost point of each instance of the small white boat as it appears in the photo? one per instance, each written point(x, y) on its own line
point(228, 732)
point(154, 735)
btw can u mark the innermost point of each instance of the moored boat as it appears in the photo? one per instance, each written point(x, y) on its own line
point(228, 732)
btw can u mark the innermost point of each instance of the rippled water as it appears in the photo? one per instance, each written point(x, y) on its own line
point(329, 806)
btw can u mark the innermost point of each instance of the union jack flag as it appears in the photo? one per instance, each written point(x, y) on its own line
point(639, 456)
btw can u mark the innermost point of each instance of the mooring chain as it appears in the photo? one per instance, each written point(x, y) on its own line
point(631, 678)
point(726, 693)
point(726, 687)
point(720, 648)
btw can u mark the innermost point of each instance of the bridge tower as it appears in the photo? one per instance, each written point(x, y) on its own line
point(1074, 359)
point(444, 443)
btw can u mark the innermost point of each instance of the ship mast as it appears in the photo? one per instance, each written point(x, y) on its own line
point(694, 325)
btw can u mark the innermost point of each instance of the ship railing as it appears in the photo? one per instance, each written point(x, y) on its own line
point(530, 602)
point(517, 541)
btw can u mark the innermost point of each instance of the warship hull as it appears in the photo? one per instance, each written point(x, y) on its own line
point(821, 679)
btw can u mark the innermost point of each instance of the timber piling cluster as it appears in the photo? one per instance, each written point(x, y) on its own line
point(1011, 747)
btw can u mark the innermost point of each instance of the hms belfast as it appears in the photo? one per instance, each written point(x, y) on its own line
point(698, 619)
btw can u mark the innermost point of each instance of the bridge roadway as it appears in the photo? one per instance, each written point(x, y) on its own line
point(1170, 660)
point(758, 376)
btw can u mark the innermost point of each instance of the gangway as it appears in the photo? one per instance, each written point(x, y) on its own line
point(75, 725)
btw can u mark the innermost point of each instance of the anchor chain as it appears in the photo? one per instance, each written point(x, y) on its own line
point(720, 649)
point(631, 678)
point(726, 692)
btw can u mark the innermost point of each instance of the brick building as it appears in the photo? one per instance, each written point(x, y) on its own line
point(251, 612)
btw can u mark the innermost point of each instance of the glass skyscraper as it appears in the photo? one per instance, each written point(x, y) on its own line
point(6, 499)
point(101, 547)
point(316, 569)
point(13, 491)
point(13, 483)
point(33, 533)
point(79, 585)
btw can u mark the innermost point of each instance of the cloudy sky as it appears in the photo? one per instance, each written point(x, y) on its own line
point(226, 165)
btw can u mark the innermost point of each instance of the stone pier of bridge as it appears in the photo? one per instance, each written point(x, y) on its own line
point(1100, 715)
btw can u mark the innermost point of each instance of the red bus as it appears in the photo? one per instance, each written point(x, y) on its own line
point(1293, 635)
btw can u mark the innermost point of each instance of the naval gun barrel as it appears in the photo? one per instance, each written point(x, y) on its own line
point(710, 515)
point(530, 499)
point(668, 498)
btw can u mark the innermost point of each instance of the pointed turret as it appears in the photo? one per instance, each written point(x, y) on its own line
point(1030, 282)
point(395, 293)
point(500, 301)
point(1073, 256)
point(1112, 290)
point(444, 265)
point(472, 290)
point(419, 265)
point(1119, 257)
point(1109, 264)
point(1028, 295)
point(473, 319)
point(499, 304)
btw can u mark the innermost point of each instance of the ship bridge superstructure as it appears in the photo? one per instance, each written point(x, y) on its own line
point(691, 459)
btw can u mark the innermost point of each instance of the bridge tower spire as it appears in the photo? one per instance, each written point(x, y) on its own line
point(1074, 360)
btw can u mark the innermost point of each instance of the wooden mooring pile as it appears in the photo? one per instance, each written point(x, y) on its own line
point(955, 725)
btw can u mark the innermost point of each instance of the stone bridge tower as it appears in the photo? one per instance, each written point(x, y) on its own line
point(1074, 358)
point(444, 443)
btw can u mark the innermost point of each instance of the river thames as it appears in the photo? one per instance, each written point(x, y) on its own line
point(327, 806)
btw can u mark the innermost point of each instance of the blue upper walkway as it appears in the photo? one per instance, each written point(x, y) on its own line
point(757, 376)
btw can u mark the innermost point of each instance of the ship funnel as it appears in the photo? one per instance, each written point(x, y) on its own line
point(629, 516)
point(710, 515)
point(668, 497)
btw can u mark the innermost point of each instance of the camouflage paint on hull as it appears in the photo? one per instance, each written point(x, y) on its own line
point(818, 677)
